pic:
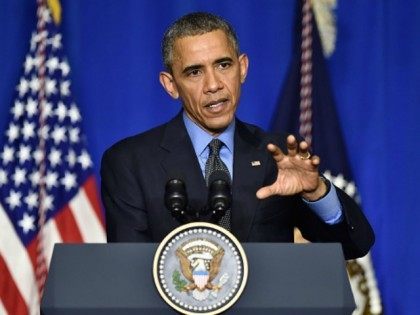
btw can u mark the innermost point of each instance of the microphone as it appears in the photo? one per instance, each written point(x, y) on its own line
point(176, 198)
point(220, 195)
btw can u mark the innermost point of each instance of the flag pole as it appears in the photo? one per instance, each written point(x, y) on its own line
point(41, 267)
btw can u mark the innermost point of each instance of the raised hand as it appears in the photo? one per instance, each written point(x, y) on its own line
point(297, 172)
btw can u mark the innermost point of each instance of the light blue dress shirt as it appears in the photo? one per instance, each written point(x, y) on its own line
point(327, 208)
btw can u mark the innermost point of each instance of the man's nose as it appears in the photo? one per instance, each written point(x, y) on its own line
point(212, 82)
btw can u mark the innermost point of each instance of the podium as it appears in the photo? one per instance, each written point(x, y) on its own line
point(91, 279)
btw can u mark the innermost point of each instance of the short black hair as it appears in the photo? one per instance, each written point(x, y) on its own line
point(192, 24)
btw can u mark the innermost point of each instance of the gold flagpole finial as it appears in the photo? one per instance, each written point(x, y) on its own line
point(55, 8)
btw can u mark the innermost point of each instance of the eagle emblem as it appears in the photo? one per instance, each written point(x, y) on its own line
point(200, 261)
point(200, 269)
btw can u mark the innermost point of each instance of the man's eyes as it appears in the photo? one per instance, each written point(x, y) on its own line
point(224, 65)
point(193, 72)
point(221, 66)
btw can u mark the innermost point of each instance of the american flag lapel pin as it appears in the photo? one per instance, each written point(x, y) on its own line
point(255, 163)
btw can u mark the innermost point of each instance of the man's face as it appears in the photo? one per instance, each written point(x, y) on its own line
point(207, 75)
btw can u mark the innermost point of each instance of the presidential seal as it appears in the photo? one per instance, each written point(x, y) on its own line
point(200, 268)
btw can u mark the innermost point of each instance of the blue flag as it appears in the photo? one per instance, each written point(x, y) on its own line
point(325, 135)
point(327, 139)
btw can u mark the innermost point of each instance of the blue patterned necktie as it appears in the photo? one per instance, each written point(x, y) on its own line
point(215, 163)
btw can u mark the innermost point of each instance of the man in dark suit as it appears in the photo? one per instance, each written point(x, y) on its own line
point(275, 181)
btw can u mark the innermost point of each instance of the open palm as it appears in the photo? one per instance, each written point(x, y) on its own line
point(297, 172)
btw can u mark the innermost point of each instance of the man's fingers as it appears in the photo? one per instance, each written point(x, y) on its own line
point(277, 154)
point(265, 192)
point(303, 147)
point(304, 153)
point(294, 149)
point(292, 146)
point(315, 160)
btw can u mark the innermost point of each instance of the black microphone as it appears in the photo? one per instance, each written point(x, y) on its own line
point(220, 195)
point(176, 198)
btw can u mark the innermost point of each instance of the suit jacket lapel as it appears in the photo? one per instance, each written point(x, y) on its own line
point(179, 161)
point(250, 162)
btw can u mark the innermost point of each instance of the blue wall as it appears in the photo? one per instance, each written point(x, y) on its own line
point(114, 51)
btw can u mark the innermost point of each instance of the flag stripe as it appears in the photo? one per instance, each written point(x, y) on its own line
point(2, 309)
point(92, 193)
point(89, 225)
point(51, 237)
point(9, 293)
point(87, 221)
point(32, 252)
point(17, 260)
point(67, 226)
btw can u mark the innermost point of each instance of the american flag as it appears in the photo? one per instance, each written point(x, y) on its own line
point(47, 187)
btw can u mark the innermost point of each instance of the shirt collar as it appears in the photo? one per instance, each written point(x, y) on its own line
point(200, 138)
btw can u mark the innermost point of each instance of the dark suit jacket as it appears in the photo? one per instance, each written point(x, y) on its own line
point(135, 170)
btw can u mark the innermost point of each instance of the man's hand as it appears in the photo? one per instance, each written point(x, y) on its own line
point(297, 172)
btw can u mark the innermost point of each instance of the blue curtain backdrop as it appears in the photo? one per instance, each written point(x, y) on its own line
point(114, 52)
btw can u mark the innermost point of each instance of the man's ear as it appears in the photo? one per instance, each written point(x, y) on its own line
point(243, 66)
point(168, 83)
